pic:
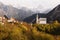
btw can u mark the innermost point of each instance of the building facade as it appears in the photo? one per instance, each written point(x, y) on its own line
point(41, 20)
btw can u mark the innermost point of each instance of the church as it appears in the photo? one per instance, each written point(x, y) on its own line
point(41, 20)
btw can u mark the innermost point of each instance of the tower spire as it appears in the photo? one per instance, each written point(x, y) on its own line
point(37, 18)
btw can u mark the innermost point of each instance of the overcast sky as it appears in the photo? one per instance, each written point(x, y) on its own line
point(38, 4)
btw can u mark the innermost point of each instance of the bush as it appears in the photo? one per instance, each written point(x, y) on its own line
point(18, 31)
point(41, 35)
point(53, 28)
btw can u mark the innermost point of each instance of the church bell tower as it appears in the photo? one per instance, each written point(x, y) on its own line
point(37, 19)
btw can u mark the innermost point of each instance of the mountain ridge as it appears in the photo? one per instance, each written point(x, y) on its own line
point(54, 14)
point(11, 11)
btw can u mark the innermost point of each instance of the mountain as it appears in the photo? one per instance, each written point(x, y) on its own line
point(32, 18)
point(54, 14)
point(24, 12)
point(51, 16)
point(2, 13)
point(16, 13)
point(28, 15)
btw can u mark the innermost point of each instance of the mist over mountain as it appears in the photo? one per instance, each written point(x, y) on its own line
point(11, 11)
point(51, 16)
point(26, 14)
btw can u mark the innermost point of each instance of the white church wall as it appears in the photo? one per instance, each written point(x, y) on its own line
point(43, 21)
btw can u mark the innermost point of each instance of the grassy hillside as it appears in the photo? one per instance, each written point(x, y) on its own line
point(25, 31)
